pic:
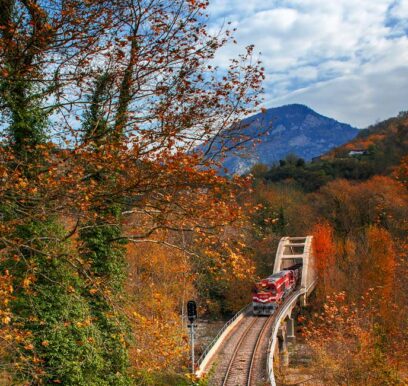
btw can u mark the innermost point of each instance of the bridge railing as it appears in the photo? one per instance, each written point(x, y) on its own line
point(207, 350)
point(280, 315)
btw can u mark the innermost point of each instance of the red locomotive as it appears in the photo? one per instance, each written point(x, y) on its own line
point(269, 292)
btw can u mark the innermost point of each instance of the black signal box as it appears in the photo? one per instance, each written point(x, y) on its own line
point(191, 310)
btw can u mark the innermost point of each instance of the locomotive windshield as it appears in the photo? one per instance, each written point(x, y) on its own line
point(264, 287)
point(261, 287)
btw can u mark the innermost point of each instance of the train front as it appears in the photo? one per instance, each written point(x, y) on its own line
point(264, 298)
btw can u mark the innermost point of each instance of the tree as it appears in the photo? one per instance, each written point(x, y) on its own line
point(161, 284)
point(378, 269)
point(137, 75)
point(324, 253)
point(60, 342)
point(348, 345)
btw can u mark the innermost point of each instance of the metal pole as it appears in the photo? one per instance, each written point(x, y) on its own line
point(192, 349)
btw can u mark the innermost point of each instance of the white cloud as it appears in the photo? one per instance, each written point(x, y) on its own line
point(359, 100)
point(317, 50)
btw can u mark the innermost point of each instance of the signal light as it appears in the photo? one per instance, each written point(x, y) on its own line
point(191, 310)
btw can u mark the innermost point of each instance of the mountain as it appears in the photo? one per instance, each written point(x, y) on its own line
point(291, 129)
point(378, 150)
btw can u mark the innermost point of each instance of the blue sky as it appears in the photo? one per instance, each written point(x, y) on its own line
point(347, 59)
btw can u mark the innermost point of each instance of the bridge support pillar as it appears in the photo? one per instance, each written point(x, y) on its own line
point(284, 355)
point(290, 328)
point(283, 347)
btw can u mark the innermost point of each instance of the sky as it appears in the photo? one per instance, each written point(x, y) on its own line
point(347, 59)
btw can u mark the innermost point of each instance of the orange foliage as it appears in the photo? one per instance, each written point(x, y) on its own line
point(10, 333)
point(323, 246)
point(159, 285)
point(347, 344)
point(324, 253)
point(352, 206)
point(379, 268)
point(401, 172)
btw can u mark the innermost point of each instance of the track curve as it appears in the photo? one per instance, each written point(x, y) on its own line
point(240, 370)
point(246, 350)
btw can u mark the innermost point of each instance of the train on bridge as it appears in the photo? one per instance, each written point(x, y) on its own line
point(269, 293)
point(247, 341)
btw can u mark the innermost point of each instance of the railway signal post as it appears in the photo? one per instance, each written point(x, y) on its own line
point(192, 316)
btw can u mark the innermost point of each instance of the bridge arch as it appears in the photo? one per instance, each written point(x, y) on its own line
point(291, 251)
point(295, 250)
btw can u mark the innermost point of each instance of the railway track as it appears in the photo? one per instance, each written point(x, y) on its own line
point(242, 360)
point(246, 359)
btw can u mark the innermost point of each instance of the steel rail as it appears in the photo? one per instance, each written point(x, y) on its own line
point(238, 347)
point(258, 341)
point(220, 333)
point(236, 350)
point(277, 315)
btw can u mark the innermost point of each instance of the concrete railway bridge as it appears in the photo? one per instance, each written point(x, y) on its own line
point(243, 352)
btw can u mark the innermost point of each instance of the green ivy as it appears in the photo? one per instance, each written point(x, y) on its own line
point(104, 250)
point(65, 344)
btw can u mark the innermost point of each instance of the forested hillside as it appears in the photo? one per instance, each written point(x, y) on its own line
point(356, 208)
point(387, 140)
point(375, 151)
